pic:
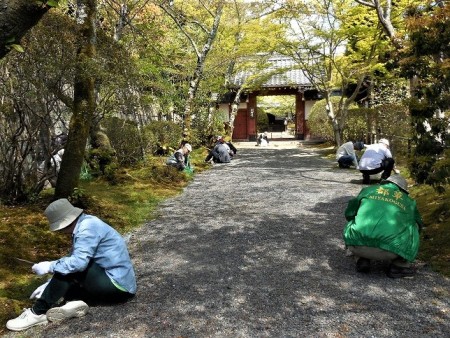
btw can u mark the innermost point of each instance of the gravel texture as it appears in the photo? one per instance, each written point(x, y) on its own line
point(254, 249)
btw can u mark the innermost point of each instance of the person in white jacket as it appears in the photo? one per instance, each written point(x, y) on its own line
point(376, 159)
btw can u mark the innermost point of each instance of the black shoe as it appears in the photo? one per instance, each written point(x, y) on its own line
point(399, 272)
point(363, 265)
point(366, 179)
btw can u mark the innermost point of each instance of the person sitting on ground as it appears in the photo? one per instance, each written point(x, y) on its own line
point(180, 159)
point(384, 224)
point(262, 140)
point(376, 158)
point(346, 156)
point(98, 269)
point(221, 153)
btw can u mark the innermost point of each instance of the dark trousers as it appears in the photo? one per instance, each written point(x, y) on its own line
point(345, 161)
point(91, 285)
point(387, 165)
point(213, 155)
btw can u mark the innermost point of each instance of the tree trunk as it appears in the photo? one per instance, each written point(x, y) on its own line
point(234, 109)
point(333, 119)
point(84, 104)
point(16, 18)
point(198, 73)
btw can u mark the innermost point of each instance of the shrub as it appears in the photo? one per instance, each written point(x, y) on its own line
point(162, 134)
point(262, 121)
point(126, 139)
point(390, 121)
point(318, 122)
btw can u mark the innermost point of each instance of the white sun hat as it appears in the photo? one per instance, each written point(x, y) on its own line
point(61, 213)
point(384, 141)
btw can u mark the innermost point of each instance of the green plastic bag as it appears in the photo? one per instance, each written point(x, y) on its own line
point(189, 170)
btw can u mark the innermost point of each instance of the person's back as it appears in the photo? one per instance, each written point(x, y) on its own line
point(223, 151)
point(383, 224)
point(373, 156)
point(385, 218)
point(377, 158)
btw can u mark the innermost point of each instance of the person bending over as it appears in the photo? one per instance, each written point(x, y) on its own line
point(346, 156)
point(98, 269)
point(376, 159)
point(383, 224)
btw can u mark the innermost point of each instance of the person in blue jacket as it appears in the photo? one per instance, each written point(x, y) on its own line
point(98, 269)
point(383, 224)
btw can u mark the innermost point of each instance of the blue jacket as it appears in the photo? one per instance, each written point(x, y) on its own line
point(93, 239)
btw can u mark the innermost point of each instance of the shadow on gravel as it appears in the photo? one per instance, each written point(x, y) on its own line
point(254, 249)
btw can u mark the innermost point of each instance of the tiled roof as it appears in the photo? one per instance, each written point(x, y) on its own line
point(284, 74)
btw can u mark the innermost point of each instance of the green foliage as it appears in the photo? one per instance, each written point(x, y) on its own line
point(101, 156)
point(319, 123)
point(391, 121)
point(358, 124)
point(18, 48)
point(85, 174)
point(159, 134)
point(426, 58)
point(262, 120)
point(435, 238)
point(125, 139)
point(205, 126)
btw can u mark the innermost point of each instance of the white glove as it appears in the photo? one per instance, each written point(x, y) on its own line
point(38, 292)
point(42, 268)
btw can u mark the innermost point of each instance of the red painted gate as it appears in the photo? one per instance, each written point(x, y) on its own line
point(240, 125)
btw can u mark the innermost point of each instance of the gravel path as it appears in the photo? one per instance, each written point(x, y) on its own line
point(254, 249)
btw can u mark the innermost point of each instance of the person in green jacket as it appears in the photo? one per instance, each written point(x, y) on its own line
point(383, 224)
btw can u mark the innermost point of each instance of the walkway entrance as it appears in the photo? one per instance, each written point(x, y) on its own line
point(287, 79)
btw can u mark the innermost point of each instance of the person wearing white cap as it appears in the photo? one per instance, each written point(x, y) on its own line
point(98, 269)
point(180, 159)
point(376, 159)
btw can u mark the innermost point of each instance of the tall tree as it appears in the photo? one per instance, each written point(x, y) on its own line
point(200, 24)
point(420, 41)
point(335, 49)
point(426, 58)
point(83, 101)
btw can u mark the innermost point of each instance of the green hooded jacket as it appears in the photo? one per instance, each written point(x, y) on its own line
point(385, 217)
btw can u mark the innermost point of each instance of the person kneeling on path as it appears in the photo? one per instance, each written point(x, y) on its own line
point(221, 153)
point(376, 159)
point(384, 224)
point(180, 159)
point(346, 156)
point(98, 270)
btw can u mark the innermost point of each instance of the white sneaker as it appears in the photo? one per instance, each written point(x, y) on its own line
point(26, 320)
point(74, 309)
